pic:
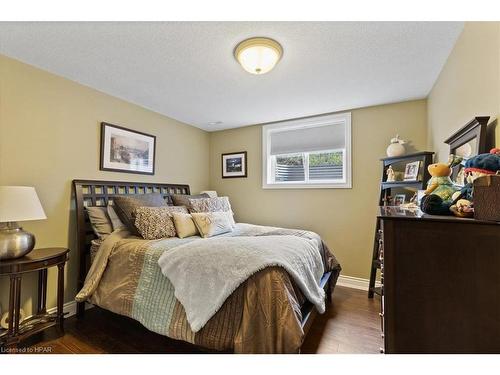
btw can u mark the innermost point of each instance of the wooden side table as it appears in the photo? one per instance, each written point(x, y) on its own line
point(37, 260)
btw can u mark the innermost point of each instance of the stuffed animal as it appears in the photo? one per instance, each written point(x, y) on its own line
point(477, 166)
point(440, 183)
point(440, 188)
point(460, 202)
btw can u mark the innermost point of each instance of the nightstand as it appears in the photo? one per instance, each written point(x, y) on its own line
point(37, 260)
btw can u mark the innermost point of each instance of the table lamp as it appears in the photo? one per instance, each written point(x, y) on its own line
point(17, 203)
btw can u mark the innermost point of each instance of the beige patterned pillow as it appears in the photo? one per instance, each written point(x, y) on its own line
point(184, 225)
point(154, 223)
point(212, 205)
point(212, 223)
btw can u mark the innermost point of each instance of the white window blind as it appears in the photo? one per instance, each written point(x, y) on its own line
point(314, 152)
point(316, 138)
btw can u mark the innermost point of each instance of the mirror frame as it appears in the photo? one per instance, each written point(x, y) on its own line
point(474, 129)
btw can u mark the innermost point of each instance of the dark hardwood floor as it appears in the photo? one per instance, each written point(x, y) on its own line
point(350, 325)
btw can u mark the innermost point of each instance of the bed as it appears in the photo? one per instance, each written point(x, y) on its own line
point(268, 313)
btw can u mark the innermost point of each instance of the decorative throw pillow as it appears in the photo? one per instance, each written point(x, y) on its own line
point(154, 223)
point(115, 220)
point(184, 225)
point(212, 223)
point(212, 205)
point(126, 205)
point(183, 199)
point(100, 221)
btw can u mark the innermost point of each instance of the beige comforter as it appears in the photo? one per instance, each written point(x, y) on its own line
point(262, 316)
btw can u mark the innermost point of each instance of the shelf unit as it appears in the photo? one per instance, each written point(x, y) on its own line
point(425, 158)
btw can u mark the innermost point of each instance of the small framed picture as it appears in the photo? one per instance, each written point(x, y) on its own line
point(399, 199)
point(234, 165)
point(125, 150)
point(411, 171)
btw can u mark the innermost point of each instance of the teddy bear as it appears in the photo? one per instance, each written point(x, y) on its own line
point(440, 188)
point(440, 183)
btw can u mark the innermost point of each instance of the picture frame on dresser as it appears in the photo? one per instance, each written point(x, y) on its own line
point(126, 150)
point(411, 171)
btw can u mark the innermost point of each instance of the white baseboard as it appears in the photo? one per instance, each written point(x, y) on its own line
point(69, 308)
point(355, 282)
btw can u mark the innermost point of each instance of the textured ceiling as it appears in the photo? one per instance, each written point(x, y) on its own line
point(186, 70)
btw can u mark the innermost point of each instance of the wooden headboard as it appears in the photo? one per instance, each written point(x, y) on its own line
point(90, 193)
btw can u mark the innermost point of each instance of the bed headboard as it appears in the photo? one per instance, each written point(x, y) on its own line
point(90, 193)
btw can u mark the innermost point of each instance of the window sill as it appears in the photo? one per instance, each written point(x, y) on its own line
point(345, 185)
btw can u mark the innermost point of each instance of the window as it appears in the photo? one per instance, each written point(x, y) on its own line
point(308, 153)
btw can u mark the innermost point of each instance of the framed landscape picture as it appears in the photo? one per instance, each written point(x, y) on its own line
point(234, 165)
point(125, 150)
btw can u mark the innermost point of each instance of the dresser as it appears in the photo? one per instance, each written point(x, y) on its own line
point(440, 283)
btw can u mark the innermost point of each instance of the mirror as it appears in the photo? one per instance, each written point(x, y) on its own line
point(468, 141)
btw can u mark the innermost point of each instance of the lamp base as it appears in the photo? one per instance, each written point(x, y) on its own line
point(14, 241)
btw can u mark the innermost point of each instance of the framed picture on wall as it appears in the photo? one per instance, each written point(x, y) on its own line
point(234, 165)
point(125, 150)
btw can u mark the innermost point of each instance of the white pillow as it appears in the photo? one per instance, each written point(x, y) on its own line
point(212, 205)
point(184, 225)
point(213, 223)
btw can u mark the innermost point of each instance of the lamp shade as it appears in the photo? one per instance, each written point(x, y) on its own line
point(20, 203)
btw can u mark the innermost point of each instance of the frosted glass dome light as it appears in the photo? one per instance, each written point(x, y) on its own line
point(258, 55)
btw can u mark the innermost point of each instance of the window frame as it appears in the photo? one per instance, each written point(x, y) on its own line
point(268, 163)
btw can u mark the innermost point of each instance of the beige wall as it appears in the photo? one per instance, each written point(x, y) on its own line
point(49, 135)
point(345, 218)
point(468, 86)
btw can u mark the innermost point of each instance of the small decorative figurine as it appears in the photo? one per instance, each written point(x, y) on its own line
point(396, 148)
point(391, 177)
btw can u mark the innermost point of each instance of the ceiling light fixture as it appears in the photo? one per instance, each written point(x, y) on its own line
point(215, 123)
point(258, 55)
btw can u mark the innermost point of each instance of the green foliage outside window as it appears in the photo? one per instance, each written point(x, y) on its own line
point(289, 160)
point(315, 160)
point(327, 158)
